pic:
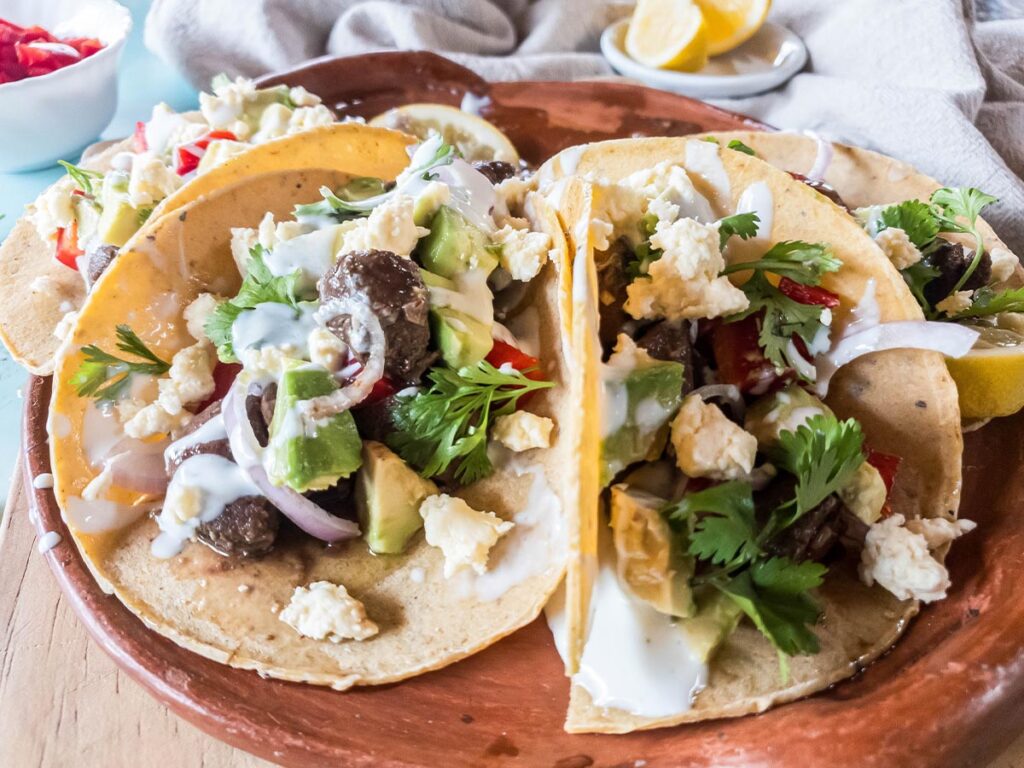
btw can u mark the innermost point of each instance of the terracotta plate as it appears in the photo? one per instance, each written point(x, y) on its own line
point(951, 693)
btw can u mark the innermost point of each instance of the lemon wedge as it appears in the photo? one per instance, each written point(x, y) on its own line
point(668, 34)
point(990, 378)
point(474, 137)
point(730, 23)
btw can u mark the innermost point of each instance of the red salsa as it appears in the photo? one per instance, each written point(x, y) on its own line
point(32, 51)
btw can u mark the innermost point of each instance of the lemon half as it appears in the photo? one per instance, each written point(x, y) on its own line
point(990, 378)
point(730, 23)
point(474, 137)
point(668, 34)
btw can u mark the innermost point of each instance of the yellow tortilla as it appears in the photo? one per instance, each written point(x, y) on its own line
point(227, 610)
point(904, 399)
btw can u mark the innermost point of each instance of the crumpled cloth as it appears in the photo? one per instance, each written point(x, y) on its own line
point(925, 81)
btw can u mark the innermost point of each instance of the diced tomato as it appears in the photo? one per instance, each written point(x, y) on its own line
point(21, 55)
point(67, 245)
point(224, 375)
point(139, 143)
point(741, 361)
point(382, 390)
point(190, 154)
point(502, 353)
point(808, 294)
point(887, 465)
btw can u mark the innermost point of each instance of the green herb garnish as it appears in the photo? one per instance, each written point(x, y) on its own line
point(82, 177)
point(739, 146)
point(447, 424)
point(987, 302)
point(744, 225)
point(106, 376)
point(801, 262)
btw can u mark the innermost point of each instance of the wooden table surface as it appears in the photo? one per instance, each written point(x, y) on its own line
point(64, 702)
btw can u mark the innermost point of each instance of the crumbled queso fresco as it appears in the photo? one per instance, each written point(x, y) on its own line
point(463, 534)
point(325, 611)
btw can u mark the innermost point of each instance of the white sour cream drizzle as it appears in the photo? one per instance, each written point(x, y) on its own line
point(311, 254)
point(473, 104)
point(537, 543)
point(757, 198)
point(635, 659)
point(101, 515)
point(703, 159)
point(48, 541)
point(866, 334)
point(471, 296)
point(209, 431)
point(274, 325)
point(219, 481)
point(822, 157)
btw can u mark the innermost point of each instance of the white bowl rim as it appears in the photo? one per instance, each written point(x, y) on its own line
point(777, 75)
point(124, 16)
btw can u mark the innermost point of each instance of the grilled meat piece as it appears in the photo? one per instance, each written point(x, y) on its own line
point(337, 500)
point(612, 281)
point(246, 528)
point(392, 288)
point(99, 260)
point(219, 447)
point(822, 188)
point(374, 421)
point(952, 261)
point(670, 340)
point(814, 535)
point(496, 171)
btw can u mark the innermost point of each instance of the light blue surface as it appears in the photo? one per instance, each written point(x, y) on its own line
point(144, 81)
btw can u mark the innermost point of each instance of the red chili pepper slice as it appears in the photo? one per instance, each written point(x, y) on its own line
point(808, 294)
point(139, 143)
point(741, 361)
point(502, 353)
point(67, 245)
point(188, 157)
point(888, 465)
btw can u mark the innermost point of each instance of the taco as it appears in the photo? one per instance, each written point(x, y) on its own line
point(327, 436)
point(72, 232)
point(776, 472)
point(957, 268)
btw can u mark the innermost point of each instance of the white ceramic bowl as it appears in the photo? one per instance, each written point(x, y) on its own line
point(46, 118)
point(766, 61)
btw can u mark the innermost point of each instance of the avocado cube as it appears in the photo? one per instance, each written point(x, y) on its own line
point(388, 498)
point(717, 617)
point(118, 222)
point(454, 245)
point(462, 340)
point(314, 461)
point(640, 405)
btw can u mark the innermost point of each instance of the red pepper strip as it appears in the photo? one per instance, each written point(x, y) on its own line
point(139, 143)
point(188, 159)
point(502, 353)
point(67, 245)
point(887, 465)
point(808, 294)
point(741, 361)
point(223, 377)
point(382, 390)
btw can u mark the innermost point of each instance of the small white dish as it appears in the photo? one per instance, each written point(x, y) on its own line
point(765, 61)
point(54, 116)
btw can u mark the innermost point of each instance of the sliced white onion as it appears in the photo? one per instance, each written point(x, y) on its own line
point(822, 159)
point(140, 469)
point(308, 516)
point(728, 392)
point(366, 336)
point(950, 339)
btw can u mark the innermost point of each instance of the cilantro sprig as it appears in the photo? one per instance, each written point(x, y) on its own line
point(447, 424)
point(721, 529)
point(83, 177)
point(948, 210)
point(106, 376)
point(259, 287)
point(801, 262)
point(743, 225)
point(644, 254)
point(346, 203)
point(986, 302)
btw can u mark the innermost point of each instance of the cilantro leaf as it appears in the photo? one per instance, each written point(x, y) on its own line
point(953, 203)
point(726, 533)
point(988, 302)
point(823, 454)
point(82, 177)
point(447, 424)
point(259, 287)
point(783, 575)
point(782, 319)
point(917, 276)
point(742, 224)
point(338, 206)
point(644, 255)
point(917, 219)
point(799, 261)
point(105, 376)
point(783, 617)
point(739, 146)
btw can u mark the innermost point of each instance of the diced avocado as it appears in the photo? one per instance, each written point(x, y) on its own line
point(650, 562)
point(716, 618)
point(786, 410)
point(639, 404)
point(388, 497)
point(310, 462)
point(454, 245)
point(118, 222)
point(462, 340)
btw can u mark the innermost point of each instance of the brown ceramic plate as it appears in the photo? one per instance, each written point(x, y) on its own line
point(950, 694)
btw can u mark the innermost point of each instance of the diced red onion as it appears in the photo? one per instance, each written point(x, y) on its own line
point(362, 319)
point(950, 339)
point(822, 159)
point(142, 471)
point(308, 516)
point(728, 392)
